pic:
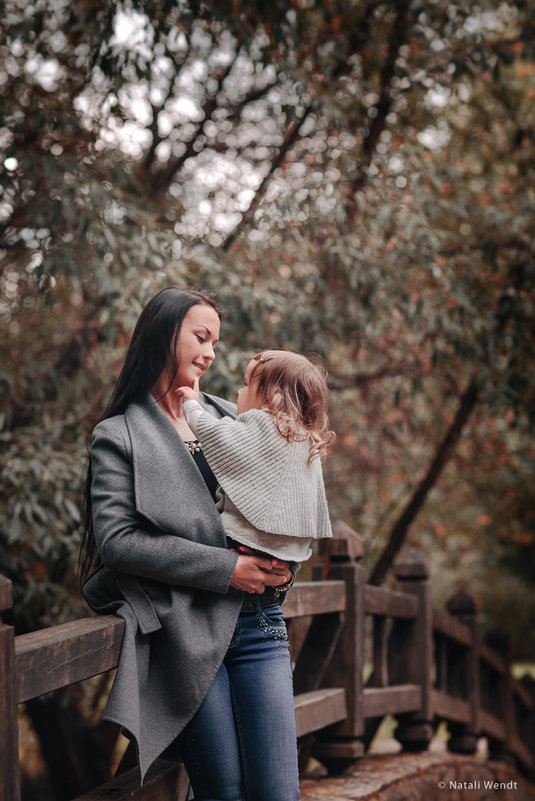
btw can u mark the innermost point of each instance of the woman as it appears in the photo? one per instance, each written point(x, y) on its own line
point(204, 670)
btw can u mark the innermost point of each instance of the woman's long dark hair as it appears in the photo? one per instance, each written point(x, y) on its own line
point(151, 348)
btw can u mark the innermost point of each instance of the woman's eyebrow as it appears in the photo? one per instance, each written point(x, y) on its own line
point(206, 329)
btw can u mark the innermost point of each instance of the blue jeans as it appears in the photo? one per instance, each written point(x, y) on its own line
point(241, 745)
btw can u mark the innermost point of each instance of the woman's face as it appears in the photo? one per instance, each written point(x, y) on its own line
point(196, 343)
point(248, 397)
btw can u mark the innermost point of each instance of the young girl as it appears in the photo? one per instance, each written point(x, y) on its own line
point(268, 460)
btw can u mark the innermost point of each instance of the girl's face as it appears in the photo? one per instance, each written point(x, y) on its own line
point(248, 397)
point(196, 343)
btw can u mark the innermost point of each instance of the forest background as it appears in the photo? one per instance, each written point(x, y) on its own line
point(353, 178)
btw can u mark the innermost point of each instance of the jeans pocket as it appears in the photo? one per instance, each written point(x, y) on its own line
point(271, 623)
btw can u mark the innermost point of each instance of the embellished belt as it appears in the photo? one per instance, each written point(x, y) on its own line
point(270, 597)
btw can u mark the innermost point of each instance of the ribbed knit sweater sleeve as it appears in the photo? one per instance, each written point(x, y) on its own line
point(192, 411)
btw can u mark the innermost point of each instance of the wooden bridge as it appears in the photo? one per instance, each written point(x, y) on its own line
point(427, 665)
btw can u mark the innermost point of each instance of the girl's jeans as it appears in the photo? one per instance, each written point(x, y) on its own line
point(241, 744)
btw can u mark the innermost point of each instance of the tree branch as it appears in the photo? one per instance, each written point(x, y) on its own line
point(153, 127)
point(377, 123)
point(359, 379)
point(236, 110)
point(503, 315)
point(293, 133)
point(506, 244)
point(164, 177)
point(358, 37)
point(399, 531)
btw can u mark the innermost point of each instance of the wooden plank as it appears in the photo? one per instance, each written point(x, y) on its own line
point(491, 725)
point(347, 665)
point(165, 781)
point(390, 603)
point(441, 664)
point(523, 694)
point(315, 598)
point(9, 729)
point(465, 679)
point(338, 751)
point(346, 544)
point(381, 701)
point(61, 655)
point(379, 677)
point(6, 593)
point(317, 651)
point(319, 708)
point(448, 626)
point(522, 753)
point(449, 707)
point(495, 660)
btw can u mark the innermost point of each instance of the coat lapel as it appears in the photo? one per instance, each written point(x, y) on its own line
point(170, 491)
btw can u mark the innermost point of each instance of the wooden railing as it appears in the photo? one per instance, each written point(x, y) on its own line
point(427, 665)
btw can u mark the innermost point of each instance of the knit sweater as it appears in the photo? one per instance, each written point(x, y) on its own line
point(274, 498)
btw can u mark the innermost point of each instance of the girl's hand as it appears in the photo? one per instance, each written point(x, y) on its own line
point(189, 393)
point(255, 573)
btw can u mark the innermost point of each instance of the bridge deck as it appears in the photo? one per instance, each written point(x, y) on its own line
point(421, 777)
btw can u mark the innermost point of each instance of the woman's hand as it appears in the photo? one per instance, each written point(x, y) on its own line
point(254, 573)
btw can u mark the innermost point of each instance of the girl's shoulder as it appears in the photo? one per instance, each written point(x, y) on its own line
point(256, 418)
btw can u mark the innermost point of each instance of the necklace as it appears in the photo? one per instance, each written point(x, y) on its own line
point(193, 445)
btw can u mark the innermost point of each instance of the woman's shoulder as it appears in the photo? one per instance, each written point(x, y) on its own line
point(221, 407)
point(110, 436)
point(111, 428)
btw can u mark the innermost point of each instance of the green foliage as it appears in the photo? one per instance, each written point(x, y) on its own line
point(39, 522)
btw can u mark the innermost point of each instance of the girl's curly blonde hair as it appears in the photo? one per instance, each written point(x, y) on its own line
point(294, 387)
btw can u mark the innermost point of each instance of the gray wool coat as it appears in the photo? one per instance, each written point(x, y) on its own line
point(165, 569)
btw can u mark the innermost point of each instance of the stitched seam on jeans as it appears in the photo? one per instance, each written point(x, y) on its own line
point(240, 741)
point(236, 634)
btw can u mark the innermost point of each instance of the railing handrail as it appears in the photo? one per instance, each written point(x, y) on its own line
point(419, 636)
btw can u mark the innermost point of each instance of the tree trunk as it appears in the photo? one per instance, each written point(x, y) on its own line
point(444, 451)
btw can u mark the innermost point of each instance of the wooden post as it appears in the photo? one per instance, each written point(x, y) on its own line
point(500, 642)
point(527, 725)
point(9, 726)
point(411, 651)
point(341, 746)
point(464, 676)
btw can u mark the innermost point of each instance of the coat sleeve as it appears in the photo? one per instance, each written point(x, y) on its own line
point(145, 552)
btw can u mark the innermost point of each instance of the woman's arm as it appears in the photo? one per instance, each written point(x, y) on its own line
point(147, 553)
point(152, 553)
